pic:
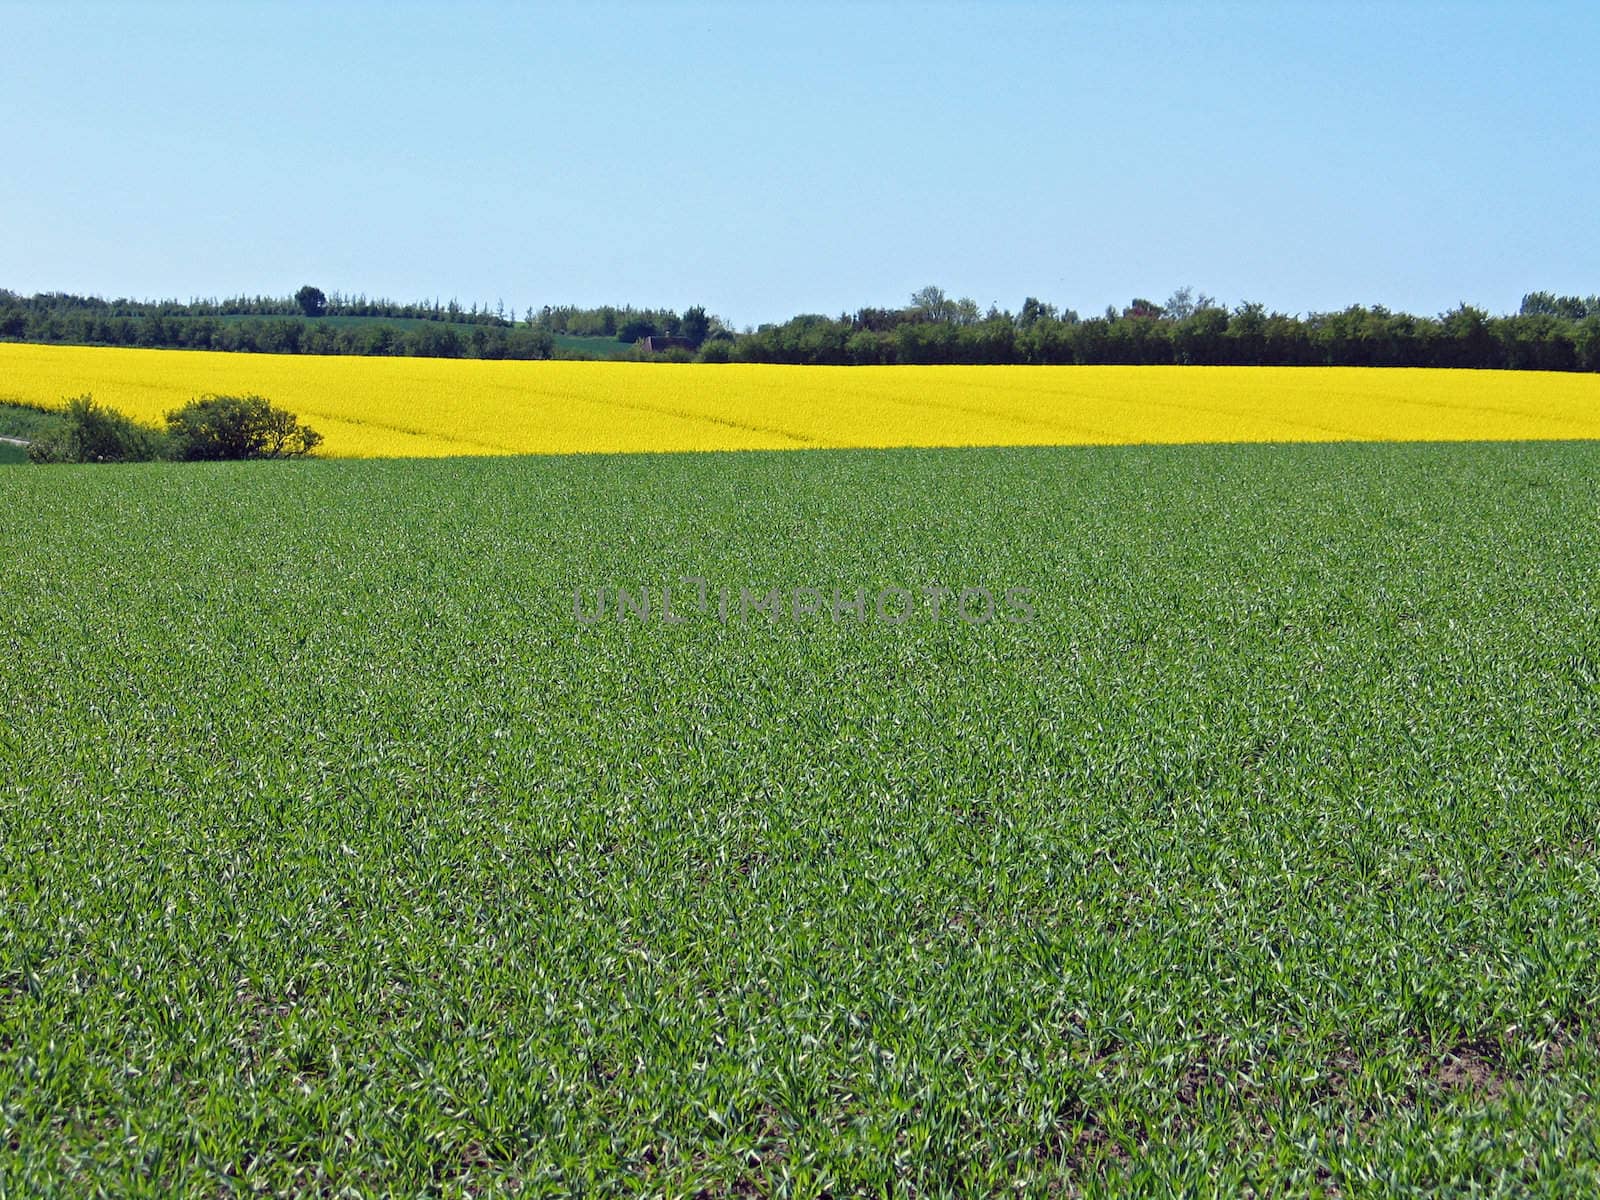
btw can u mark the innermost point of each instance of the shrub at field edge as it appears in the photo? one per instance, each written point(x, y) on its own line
point(210, 429)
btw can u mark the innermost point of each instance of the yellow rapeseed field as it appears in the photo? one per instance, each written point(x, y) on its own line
point(389, 407)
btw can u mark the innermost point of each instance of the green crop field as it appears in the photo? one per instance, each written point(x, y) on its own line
point(24, 421)
point(593, 347)
point(19, 421)
point(343, 858)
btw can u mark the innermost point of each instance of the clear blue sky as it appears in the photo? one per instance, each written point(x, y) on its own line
point(767, 161)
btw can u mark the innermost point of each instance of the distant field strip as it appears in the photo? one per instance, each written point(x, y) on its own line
point(396, 407)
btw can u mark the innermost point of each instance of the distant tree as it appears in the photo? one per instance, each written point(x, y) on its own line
point(965, 312)
point(1047, 340)
point(926, 342)
point(878, 320)
point(1247, 330)
point(1180, 305)
point(1468, 329)
point(931, 304)
point(867, 347)
point(631, 330)
point(694, 326)
point(434, 340)
point(1034, 310)
point(1570, 308)
point(1586, 343)
point(991, 340)
point(717, 350)
point(1199, 339)
point(529, 343)
point(1184, 303)
point(311, 300)
point(375, 340)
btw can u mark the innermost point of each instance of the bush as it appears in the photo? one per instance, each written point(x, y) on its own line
point(635, 329)
point(214, 428)
point(93, 433)
point(866, 348)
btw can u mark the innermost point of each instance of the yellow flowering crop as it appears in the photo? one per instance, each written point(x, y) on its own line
point(390, 407)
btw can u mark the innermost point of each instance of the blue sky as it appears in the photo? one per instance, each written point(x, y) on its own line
point(766, 161)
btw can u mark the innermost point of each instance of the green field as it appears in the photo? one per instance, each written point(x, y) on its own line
point(593, 347)
point(24, 422)
point(342, 859)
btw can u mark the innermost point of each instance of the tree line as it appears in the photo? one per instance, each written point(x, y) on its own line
point(629, 325)
point(295, 327)
point(607, 321)
point(309, 301)
point(1549, 332)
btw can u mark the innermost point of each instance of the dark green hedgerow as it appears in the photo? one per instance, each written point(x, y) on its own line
point(210, 428)
point(341, 859)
